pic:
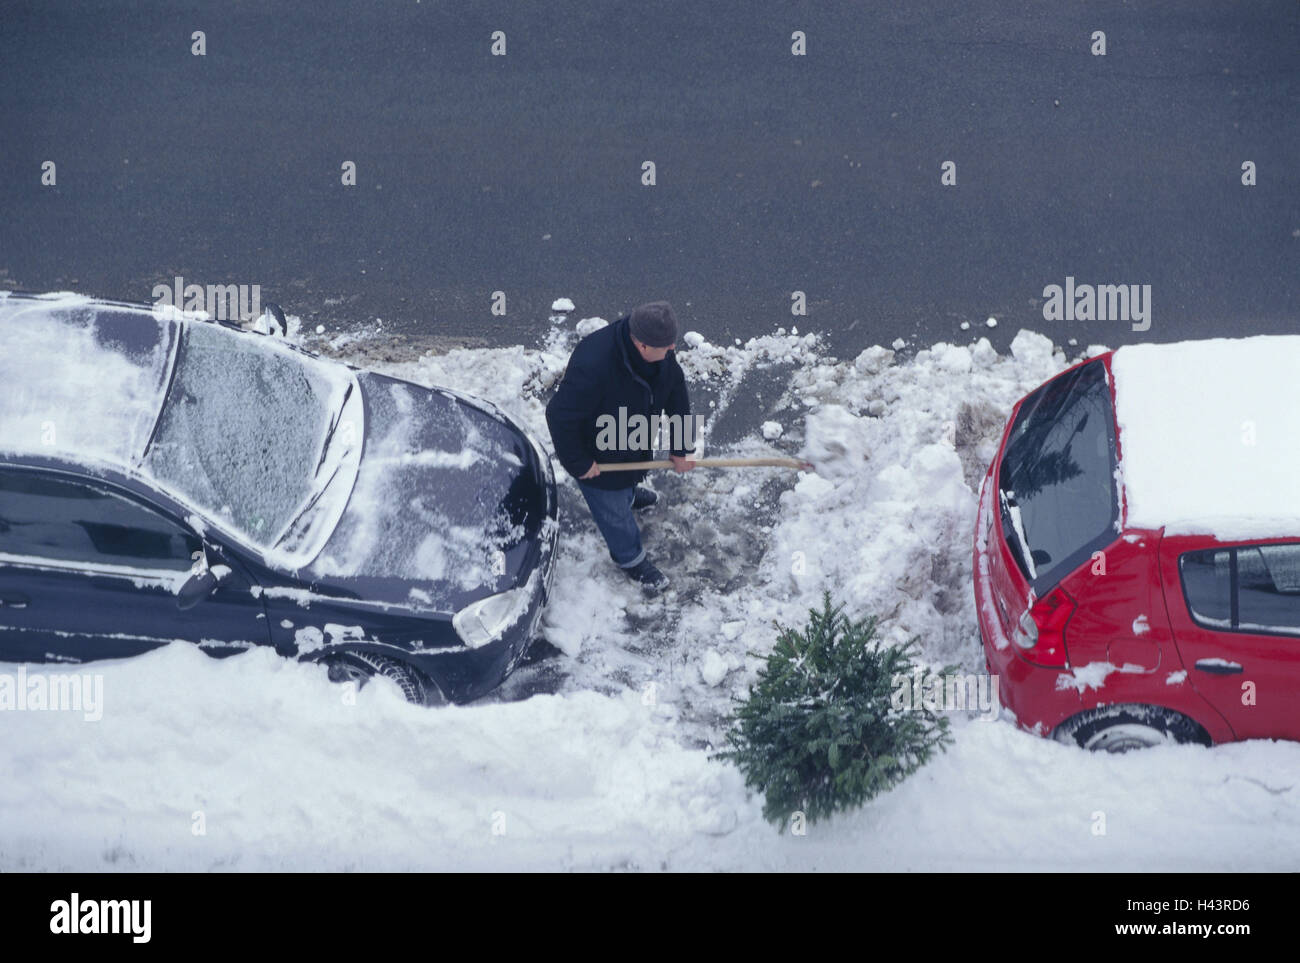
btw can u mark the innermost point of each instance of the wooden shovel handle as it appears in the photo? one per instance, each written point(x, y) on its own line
point(710, 463)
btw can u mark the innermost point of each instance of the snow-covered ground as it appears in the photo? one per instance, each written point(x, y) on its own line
point(598, 755)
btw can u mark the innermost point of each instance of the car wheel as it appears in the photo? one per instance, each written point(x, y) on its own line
point(360, 667)
point(1125, 727)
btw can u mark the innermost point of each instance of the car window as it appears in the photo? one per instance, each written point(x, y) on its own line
point(1251, 588)
point(1057, 475)
point(1268, 597)
point(1207, 585)
point(65, 520)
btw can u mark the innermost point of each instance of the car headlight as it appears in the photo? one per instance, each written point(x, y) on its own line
point(487, 620)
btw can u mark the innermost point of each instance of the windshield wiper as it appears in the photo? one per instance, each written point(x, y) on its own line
point(1011, 513)
point(306, 509)
point(333, 425)
point(175, 357)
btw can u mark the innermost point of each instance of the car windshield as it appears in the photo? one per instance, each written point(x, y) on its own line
point(1057, 479)
point(245, 429)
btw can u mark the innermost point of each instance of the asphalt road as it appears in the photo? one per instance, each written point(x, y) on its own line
point(775, 173)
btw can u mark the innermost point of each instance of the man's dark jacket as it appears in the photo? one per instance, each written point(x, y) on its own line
point(605, 373)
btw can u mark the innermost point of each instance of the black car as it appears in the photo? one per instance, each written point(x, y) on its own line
point(166, 478)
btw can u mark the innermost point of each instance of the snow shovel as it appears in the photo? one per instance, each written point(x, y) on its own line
point(711, 463)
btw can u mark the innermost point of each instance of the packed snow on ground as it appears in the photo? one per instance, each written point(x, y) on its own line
point(599, 755)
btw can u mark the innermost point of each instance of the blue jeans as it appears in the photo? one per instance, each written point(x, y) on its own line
point(612, 511)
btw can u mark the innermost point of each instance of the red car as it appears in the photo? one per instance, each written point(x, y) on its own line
point(1137, 549)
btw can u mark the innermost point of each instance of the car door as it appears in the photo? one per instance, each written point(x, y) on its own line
point(90, 571)
point(1235, 612)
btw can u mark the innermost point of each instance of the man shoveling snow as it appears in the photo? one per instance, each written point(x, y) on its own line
point(624, 371)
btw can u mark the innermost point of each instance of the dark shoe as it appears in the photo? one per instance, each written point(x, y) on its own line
point(643, 498)
point(651, 579)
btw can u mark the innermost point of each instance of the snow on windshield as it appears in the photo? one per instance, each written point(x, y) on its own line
point(243, 429)
point(1208, 435)
point(79, 379)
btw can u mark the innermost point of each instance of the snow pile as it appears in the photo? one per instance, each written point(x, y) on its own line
point(254, 763)
point(1208, 433)
point(268, 766)
point(887, 521)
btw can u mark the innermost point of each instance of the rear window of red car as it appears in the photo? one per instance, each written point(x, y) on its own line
point(1057, 477)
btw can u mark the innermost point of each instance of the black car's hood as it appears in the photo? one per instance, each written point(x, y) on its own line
point(448, 506)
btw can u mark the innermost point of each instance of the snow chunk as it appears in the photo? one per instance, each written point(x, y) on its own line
point(731, 630)
point(587, 325)
point(309, 639)
point(562, 304)
point(874, 359)
point(693, 339)
point(714, 668)
point(772, 430)
point(983, 355)
point(1093, 675)
point(835, 441)
point(952, 358)
point(1031, 348)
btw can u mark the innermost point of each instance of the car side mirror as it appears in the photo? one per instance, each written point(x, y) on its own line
point(271, 321)
point(196, 588)
point(203, 581)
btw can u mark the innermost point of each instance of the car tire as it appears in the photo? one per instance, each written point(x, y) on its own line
point(359, 667)
point(1124, 727)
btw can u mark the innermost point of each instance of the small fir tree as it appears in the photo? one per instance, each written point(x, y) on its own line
point(819, 731)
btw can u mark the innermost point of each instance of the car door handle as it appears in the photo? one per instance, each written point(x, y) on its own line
point(1218, 666)
point(12, 600)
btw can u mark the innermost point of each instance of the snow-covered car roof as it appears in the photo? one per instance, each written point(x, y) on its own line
point(86, 380)
point(81, 377)
point(1209, 436)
